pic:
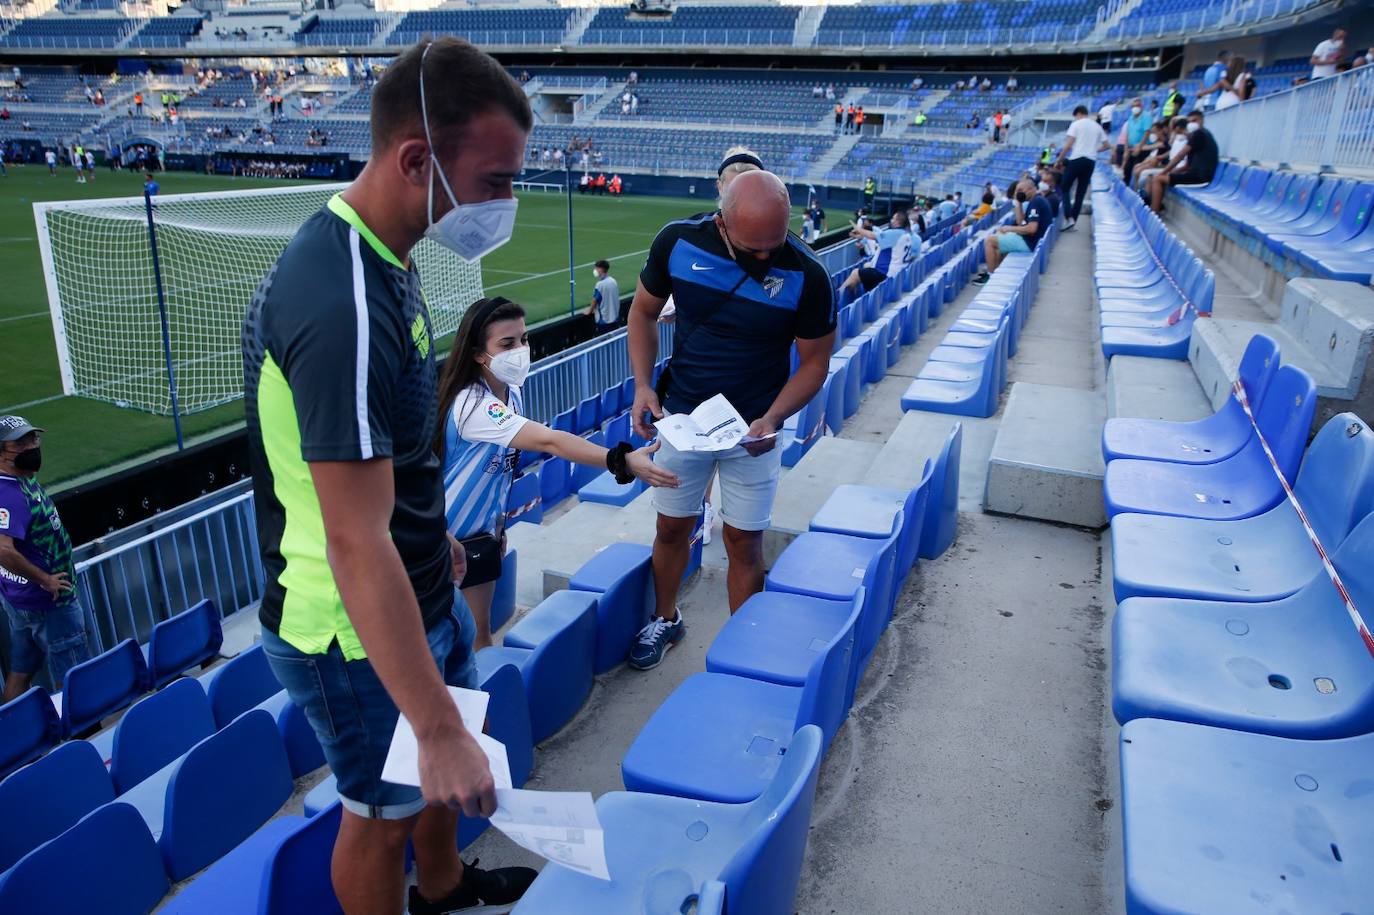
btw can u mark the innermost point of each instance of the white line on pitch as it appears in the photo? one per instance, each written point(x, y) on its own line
point(540, 276)
point(36, 314)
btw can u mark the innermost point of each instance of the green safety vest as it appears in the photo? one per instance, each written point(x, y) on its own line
point(1045, 155)
point(920, 118)
point(1171, 104)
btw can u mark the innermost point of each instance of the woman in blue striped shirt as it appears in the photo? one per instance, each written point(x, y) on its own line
point(482, 433)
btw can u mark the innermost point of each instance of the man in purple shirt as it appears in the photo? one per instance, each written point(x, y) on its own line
point(36, 572)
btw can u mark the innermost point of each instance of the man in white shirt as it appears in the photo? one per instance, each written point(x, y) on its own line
point(1104, 116)
point(1079, 158)
point(605, 307)
point(1012, 84)
point(1328, 54)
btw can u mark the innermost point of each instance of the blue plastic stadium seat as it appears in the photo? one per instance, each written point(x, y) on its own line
point(731, 753)
point(44, 799)
point(804, 428)
point(303, 750)
point(1204, 441)
point(553, 646)
point(158, 729)
point(524, 503)
point(837, 567)
point(1239, 486)
point(1262, 558)
point(297, 877)
point(588, 414)
point(963, 383)
point(177, 644)
point(1216, 820)
point(234, 883)
point(508, 716)
point(1295, 667)
point(878, 512)
point(836, 383)
point(566, 421)
point(555, 480)
point(582, 474)
point(610, 403)
point(847, 356)
point(755, 850)
point(616, 430)
point(102, 686)
point(604, 490)
point(105, 863)
point(622, 576)
point(941, 521)
point(29, 727)
point(503, 596)
point(222, 791)
point(243, 682)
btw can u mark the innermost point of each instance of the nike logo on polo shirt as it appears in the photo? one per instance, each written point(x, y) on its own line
point(696, 266)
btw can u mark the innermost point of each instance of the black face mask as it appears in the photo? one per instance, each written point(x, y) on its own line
point(29, 461)
point(754, 267)
point(1021, 197)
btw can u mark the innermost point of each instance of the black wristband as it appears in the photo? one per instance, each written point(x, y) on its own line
point(616, 464)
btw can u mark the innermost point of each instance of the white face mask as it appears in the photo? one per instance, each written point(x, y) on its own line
point(1193, 125)
point(469, 230)
point(596, 275)
point(1135, 109)
point(512, 366)
point(1044, 186)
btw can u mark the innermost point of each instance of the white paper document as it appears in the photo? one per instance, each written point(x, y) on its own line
point(561, 826)
point(402, 765)
point(713, 426)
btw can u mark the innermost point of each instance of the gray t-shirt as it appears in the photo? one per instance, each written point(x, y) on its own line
point(606, 297)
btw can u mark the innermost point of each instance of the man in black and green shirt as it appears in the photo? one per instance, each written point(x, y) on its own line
point(36, 573)
point(339, 384)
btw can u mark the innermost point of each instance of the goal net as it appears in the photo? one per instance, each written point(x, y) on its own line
point(213, 249)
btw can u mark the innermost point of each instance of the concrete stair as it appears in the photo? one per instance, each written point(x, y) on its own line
point(920, 435)
point(1046, 462)
point(551, 552)
point(1144, 388)
point(1325, 327)
point(837, 151)
point(808, 23)
point(804, 489)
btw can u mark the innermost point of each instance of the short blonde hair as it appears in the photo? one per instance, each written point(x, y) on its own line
point(735, 168)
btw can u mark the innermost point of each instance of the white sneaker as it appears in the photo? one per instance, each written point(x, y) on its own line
point(707, 521)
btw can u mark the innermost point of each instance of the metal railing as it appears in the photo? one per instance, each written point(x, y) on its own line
point(1049, 34)
point(563, 380)
point(1328, 123)
point(210, 554)
point(686, 38)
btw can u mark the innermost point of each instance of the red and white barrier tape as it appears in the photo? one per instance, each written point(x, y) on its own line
point(1177, 314)
point(521, 509)
point(1239, 390)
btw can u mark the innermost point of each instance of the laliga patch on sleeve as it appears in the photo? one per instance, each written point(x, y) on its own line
point(499, 413)
point(4, 519)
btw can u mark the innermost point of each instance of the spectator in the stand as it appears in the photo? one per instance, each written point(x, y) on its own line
point(1206, 96)
point(1328, 54)
point(1237, 86)
point(735, 348)
point(1200, 153)
point(839, 117)
point(894, 242)
point(1012, 84)
point(920, 119)
point(1033, 218)
point(1153, 110)
point(1105, 114)
point(916, 220)
point(1177, 134)
point(605, 305)
point(917, 83)
point(958, 85)
point(947, 208)
point(1156, 140)
point(870, 192)
point(47, 622)
point(1137, 126)
point(818, 91)
point(985, 85)
point(1048, 185)
point(978, 212)
point(633, 79)
point(1173, 102)
point(974, 122)
point(830, 92)
point(1079, 158)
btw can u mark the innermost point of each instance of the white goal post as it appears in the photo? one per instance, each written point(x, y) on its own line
point(213, 249)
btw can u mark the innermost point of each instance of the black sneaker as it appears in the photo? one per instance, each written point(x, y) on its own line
point(982, 278)
point(654, 640)
point(481, 892)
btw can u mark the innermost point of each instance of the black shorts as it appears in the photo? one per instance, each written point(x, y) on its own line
point(1188, 176)
point(871, 278)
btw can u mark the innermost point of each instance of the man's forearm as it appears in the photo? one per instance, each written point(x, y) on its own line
point(797, 393)
point(642, 342)
point(380, 603)
point(14, 562)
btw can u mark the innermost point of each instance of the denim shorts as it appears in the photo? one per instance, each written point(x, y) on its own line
point(58, 634)
point(354, 717)
point(747, 484)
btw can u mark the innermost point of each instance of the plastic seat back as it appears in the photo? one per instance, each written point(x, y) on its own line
point(622, 575)
point(45, 799)
point(825, 695)
point(942, 505)
point(1257, 367)
point(761, 877)
point(1285, 417)
point(103, 685)
point(29, 727)
point(227, 786)
point(191, 637)
point(1340, 195)
point(555, 480)
point(588, 414)
point(106, 863)
point(297, 877)
point(1336, 481)
point(565, 421)
point(525, 501)
point(245, 681)
point(1355, 213)
point(157, 730)
point(610, 402)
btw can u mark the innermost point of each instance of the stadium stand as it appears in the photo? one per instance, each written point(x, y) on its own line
point(485, 26)
point(694, 25)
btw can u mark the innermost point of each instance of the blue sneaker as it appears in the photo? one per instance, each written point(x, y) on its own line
point(654, 640)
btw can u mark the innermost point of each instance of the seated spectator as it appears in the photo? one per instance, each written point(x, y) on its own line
point(818, 91)
point(917, 83)
point(973, 122)
point(1178, 138)
point(893, 245)
point(1032, 220)
point(978, 212)
point(1200, 152)
point(1012, 84)
point(959, 85)
point(1048, 186)
point(985, 85)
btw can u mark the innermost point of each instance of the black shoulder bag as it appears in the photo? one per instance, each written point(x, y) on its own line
point(665, 377)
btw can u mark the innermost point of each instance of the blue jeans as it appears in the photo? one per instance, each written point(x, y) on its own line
point(354, 717)
point(58, 634)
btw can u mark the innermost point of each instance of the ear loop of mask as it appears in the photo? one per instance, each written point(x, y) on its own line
point(433, 159)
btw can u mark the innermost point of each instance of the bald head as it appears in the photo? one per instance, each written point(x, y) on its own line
point(755, 208)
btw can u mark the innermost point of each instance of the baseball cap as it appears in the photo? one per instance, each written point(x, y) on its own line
point(15, 427)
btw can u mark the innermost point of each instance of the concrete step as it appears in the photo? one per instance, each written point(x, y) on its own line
point(920, 435)
point(550, 553)
point(804, 489)
point(1142, 388)
point(1047, 459)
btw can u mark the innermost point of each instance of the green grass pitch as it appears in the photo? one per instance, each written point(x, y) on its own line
point(86, 436)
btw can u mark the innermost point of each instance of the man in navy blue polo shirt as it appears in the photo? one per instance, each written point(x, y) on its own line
point(745, 292)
